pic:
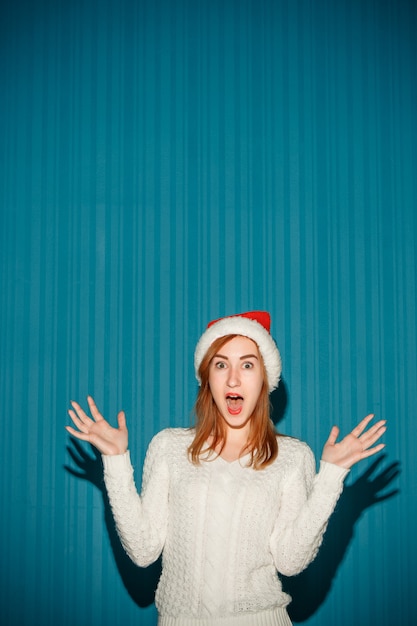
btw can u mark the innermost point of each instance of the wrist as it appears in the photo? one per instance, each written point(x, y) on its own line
point(117, 462)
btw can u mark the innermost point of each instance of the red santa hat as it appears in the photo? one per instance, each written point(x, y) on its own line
point(256, 326)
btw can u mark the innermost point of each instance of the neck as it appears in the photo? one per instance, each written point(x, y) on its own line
point(235, 443)
point(238, 436)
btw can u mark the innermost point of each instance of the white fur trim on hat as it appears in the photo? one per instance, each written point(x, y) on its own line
point(237, 325)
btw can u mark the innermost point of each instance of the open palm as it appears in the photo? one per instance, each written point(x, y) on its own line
point(97, 430)
point(357, 445)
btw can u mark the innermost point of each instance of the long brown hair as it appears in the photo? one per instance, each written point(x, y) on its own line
point(262, 443)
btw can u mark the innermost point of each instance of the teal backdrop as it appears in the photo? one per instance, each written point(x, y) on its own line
point(166, 163)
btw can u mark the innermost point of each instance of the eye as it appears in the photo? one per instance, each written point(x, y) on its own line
point(220, 365)
point(247, 365)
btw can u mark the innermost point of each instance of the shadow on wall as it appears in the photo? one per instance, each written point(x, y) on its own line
point(140, 583)
point(310, 588)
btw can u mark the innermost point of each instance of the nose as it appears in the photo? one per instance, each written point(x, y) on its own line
point(233, 379)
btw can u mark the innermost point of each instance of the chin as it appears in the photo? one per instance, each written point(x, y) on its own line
point(237, 423)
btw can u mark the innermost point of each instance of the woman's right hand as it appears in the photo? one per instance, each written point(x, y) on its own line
point(97, 431)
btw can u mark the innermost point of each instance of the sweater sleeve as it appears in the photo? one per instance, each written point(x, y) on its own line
point(141, 520)
point(308, 500)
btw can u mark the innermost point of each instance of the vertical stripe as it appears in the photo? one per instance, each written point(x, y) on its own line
point(165, 163)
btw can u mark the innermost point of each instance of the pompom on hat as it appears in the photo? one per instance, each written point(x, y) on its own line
point(255, 325)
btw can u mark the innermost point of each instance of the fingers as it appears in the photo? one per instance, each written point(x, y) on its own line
point(370, 436)
point(80, 415)
point(80, 418)
point(334, 433)
point(94, 410)
point(82, 421)
point(373, 434)
point(358, 430)
point(98, 431)
point(83, 424)
point(121, 420)
point(371, 451)
point(77, 433)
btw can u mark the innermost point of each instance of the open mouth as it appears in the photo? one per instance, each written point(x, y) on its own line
point(234, 403)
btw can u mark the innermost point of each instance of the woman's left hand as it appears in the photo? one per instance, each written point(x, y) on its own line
point(358, 445)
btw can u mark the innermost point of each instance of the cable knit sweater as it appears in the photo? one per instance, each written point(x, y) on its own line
point(224, 528)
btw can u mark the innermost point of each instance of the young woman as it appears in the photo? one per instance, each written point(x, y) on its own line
point(229, 503)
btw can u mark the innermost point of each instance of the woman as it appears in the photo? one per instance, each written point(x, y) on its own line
point(230, 502)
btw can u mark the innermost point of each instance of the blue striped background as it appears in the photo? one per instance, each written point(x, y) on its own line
point(162, 164)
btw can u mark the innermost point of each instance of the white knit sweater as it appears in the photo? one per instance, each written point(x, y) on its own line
point(225, 529)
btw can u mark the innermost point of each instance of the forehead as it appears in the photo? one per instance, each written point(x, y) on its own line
point(239, 346)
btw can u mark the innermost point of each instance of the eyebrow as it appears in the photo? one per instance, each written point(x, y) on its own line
point(245, 356)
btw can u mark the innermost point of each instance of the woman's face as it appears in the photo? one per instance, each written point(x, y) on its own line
point(236, 379)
